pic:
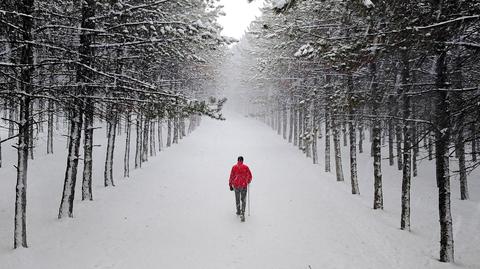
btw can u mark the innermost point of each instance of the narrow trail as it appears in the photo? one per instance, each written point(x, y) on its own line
point(177, 212)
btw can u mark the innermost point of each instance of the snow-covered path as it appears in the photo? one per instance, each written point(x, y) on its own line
point(177, 212)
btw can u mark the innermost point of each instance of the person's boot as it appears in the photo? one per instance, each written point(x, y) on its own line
point(238, 213)
point(242, 217)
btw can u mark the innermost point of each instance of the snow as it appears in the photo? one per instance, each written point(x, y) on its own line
point(368, 3)
point(177, 211)
point(279, 3)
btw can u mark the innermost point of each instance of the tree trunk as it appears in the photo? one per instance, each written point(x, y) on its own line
point(66, 205)
point(112, 131)
point(50, 128)
point(295, 126)
point(473, 132)
point(88, 151)
point(290, 133)
point(301, 130)
point(146, 129)
point(138, 144)
point(376, 147)
point(407, 145)
point(126, 157)
point(442, 139)
point(169, 131)
point(353, 138)
point(26, 51)
point(390, 142)
point(84, 75)
point(30, 133)
point(160, 133)
point(337, 149)
point(11, 119)
point(20, 233)
point(153, 149)
point(284, 122)
point(361, 137)
point(327, 141)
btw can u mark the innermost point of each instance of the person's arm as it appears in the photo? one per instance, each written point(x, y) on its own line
point(249, 175)
point(232, 173)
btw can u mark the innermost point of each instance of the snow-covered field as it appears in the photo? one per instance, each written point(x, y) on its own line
point(177, 211)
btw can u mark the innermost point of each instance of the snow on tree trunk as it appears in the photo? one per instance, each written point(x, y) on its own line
point(68, 195)
point(138, 143)
point(376, 147)
point(30, 133)
point(20, 233)
point(407, 145)
point(126, 156)
point(88, 151)
point(50, 127)
point(26, 7)
point(361, 137)
point(442, 139)
point(415, 141)
point(84, 76)
point(112, 131)
point(353, 138)
point(337, 149)
point(327, 141)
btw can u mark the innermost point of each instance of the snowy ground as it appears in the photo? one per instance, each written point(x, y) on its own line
point(177, 211)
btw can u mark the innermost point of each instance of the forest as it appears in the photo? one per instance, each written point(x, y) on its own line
point(398, 80)
point(404, 72)
point(103, 64)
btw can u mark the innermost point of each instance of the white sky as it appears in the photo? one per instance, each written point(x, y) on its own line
point(239, 14)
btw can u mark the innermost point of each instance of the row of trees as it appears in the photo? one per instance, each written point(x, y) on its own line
point(405, 70)
point(135, 62)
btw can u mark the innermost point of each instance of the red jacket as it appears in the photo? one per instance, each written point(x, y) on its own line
point(240, 176)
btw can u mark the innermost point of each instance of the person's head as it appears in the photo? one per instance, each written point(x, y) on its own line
point(240, 159)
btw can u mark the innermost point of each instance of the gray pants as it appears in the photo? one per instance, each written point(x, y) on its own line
point(240, 195)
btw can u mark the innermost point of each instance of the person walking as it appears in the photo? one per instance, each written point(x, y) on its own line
point(240, 177)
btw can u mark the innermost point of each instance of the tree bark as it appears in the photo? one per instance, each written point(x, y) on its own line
point(50, 128)
point(169, 131)
point(146, 129)
point(26, 53)
point(353, 138)
point(112, 132)
point(84, 76)
point(88, 151)
point(442, 139)
point(337, 149)
point(407, 145)
point(138, 144)
point(126, 157)
point(376, 147)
